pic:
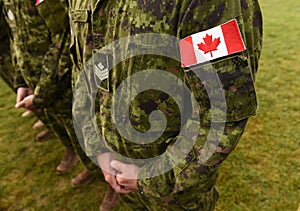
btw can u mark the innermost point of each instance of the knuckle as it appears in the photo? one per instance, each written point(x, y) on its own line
point(107, 178)
point(119, 180)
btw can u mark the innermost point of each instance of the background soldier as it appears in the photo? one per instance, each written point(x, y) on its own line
point(7, 69)
point(44, 79)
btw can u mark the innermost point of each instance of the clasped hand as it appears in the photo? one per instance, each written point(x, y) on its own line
point(121, 176)
point(25, 99)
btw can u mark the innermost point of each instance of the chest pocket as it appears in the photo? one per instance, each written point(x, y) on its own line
point(55, 14)
point(79, 14)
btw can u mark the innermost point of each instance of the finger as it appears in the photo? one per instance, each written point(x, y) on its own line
point(125, 191)
point(130, 184)
point(114, 184)
point(122, 189)
point(117, 165)
point(19, 98)
point(121, 180)
point(107, 175)
point(30, 91)
point(20, 104)
point(111, 179)
point(20, 94)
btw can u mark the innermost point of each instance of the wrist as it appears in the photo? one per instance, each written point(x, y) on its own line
point(35, 103)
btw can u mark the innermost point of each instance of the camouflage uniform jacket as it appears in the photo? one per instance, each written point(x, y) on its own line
point(112, 20)
point(42, 57)
point(6, 66)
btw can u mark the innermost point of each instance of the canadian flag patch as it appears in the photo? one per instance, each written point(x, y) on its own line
point(213, 43)
point(37, 2)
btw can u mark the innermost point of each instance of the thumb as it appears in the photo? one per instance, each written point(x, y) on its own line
point(117, 165)
point(20, 104)
point(18, 99)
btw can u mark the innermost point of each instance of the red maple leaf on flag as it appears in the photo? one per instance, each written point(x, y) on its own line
point(209, 45)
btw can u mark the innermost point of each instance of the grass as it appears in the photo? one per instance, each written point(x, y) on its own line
point(263, 173)
point(28, 180)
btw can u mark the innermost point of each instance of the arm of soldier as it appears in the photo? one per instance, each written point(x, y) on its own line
point(21, 87)
point(108, 166)
point(199, 166)
point(191, 171)
point(23, 92)
point(85, 123)
point(19, 83)
point(27, 103)
point(56, 71)
point(202, 172)
point(188, 168)
point(6, 64)
point(57, 65)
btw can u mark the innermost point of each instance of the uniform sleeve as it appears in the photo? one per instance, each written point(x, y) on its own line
point(7, 71)
point(12, 77)
point(30, 41)
point(19, 80)
point(56, 68)
point(85, 104)
point(236, 74)
point(57, 64)
point(190, 169)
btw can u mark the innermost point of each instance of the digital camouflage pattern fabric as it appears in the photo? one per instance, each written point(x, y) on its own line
point(6, 63)
point(190, 185)
point(44, 65)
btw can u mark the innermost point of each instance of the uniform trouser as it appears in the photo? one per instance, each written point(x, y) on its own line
point(62, 127)
point(202, 197)
point(6, 65)
point(41, 115)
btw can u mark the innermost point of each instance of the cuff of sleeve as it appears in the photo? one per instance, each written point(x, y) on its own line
point(19, 82)
point(42, 98)
point(158, 186)
point(38, 102)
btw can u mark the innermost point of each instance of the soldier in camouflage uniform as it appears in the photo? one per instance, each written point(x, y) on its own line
point(7, 67)
point(190, 184)
point(45, 68)
point(54, 14)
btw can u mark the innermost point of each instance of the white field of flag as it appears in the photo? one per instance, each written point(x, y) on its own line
point(211, 44)
point(37, 2)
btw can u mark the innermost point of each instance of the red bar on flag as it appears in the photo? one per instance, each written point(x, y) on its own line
point(37, 2)
point(188, 57)
point(211, 44)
